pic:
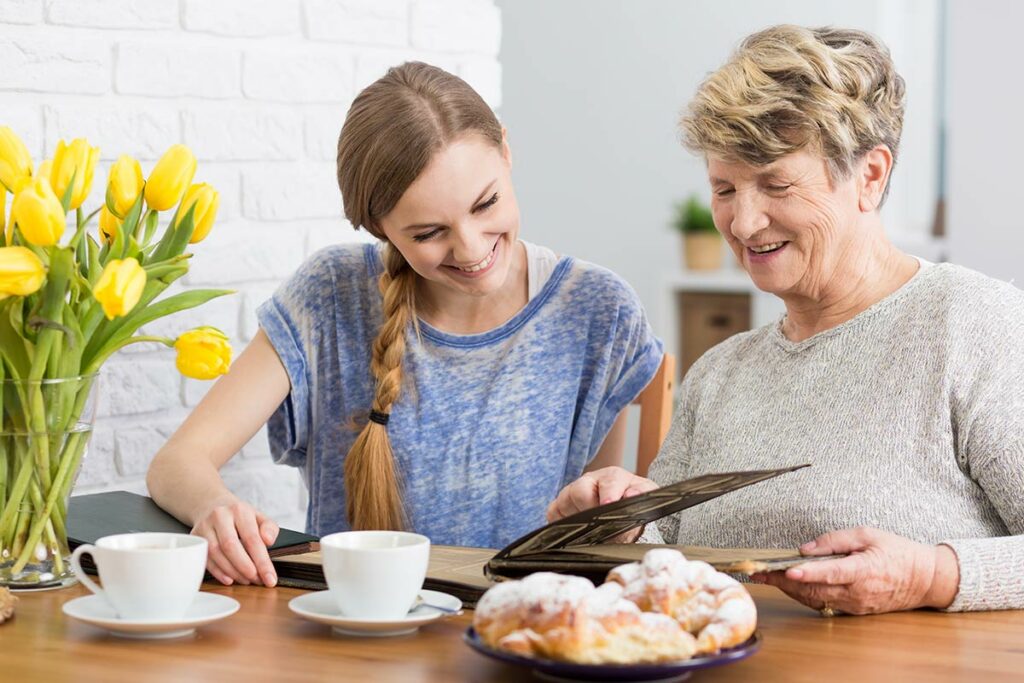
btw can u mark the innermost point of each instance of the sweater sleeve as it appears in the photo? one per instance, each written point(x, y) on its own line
point(989, 416)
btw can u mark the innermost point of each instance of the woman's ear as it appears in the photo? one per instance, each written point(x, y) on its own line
point(506, 151)
point(873, 173)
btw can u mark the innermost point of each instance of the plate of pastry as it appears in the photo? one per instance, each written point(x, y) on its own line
point(654, 620)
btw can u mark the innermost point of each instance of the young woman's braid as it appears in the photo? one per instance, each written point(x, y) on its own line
point(394, 128)
point(373, 489)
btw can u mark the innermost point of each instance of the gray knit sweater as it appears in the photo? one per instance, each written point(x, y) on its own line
point(911, 413)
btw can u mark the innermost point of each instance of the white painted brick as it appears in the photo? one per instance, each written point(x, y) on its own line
point(282, 192)
point(134, 14)
point(307, 75)
point(456, 26)
point(137, 486)
point(21, 11)
point(372, 65)
point(222, 313)
point(239, 252)
point(170, 69)
point(323, 126)
point(140, 131)
point(54, 64)
point(484, 76)
point(253, 297)
point(98, 465)
point(252, 133)
point(271, 489)
point(26, 120)
point(371, 22)
point(193, 390)
point(322, 234)
point(136, 446)
point(143, 385)
point(242, 17)
point(295, 520)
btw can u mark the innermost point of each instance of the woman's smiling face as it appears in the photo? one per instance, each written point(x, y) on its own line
point(457, 224)
point(789, 223)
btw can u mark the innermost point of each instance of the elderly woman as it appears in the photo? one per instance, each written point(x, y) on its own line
point(901, 381)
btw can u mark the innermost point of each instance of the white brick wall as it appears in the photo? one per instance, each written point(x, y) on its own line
point(258, 89)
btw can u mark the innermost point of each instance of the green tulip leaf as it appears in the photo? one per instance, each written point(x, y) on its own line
point(137, 318)
point(14, 348)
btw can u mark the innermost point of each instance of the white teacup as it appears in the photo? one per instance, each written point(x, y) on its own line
point(375, 574)
point(146, 576)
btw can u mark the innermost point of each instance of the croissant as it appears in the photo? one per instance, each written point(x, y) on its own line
point(714, 607)
point(567, 618)
point(662, 608)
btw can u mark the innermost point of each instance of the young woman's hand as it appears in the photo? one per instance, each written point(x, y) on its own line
point(238, 535)
point(605, 485)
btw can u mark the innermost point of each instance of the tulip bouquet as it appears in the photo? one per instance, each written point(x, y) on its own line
point(67, 305)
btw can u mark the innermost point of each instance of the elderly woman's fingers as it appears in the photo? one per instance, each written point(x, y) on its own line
point(605, 485)
point(612, 483)
point(584, 494)
point(815, 596)
point(579, 495)
point(832, 572)
point(638, 486)
point(842, 541)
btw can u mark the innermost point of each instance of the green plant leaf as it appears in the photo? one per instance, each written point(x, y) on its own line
point(693, 216)
point(95, 268)
point(135, 320)
point(14, 348)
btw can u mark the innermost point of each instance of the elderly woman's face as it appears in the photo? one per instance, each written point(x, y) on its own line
point(788, 222)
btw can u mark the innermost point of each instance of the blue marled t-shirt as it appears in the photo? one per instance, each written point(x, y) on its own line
point(489, 426)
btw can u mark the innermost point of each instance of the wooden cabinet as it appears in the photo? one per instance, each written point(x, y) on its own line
point(702, 309)
point(706, 319)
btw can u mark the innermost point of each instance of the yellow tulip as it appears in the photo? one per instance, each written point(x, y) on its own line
point(79, 160)
point(45, 169)
point(38, 213)
point(170, 178)
point(203, 353)
point(4, 228)
point(206, 200)
point(124, 186)
point(109, 225)
point(120, 287)
point(15, 161)
point(21, 272)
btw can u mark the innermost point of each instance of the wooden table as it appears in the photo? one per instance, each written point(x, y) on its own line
point(265, 641)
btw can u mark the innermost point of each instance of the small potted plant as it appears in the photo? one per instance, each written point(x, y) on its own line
point(702, 244)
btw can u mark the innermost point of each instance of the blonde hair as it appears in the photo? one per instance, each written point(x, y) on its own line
point(391, 132)
point(833, 90)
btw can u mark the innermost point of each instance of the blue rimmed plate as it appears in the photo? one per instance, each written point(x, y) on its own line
point(567, 671)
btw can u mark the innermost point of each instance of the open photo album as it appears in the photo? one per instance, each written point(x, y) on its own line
point(579, 544)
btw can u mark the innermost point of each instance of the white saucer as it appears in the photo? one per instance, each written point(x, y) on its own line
point(321, 608)
point(207, 607)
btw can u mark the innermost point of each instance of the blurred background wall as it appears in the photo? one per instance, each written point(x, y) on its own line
point(592, 95)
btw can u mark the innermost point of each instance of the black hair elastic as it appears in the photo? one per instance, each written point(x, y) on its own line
point(380, 418)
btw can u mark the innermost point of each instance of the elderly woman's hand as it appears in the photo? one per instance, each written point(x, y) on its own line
point(605, 485)
point(883, 573)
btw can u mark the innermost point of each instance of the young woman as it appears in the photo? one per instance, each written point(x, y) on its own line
point(449, 380)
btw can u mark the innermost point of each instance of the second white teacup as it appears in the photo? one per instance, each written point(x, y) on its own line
point(375, 574)
point(146, 576)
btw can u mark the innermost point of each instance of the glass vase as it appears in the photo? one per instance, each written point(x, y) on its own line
point(44, 433)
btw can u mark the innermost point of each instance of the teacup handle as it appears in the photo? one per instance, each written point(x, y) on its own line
point(76, 564)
